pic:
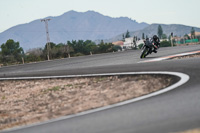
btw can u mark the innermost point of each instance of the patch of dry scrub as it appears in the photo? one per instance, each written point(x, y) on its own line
point(28, 101)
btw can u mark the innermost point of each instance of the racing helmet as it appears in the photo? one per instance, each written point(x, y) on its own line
point(155, 37)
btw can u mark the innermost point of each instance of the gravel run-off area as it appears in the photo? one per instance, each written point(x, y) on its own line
point(188, 56)
point(25, 102)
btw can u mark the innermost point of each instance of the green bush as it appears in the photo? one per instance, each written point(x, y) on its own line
point(117, 48)
point(11, 52)
point(32, 58)
point(165, 44)
point(78, 54)
point(140, 45)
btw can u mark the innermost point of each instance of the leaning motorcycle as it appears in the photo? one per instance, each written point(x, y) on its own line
point(146, 48)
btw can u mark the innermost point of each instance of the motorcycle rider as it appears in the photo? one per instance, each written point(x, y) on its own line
point(156, 43)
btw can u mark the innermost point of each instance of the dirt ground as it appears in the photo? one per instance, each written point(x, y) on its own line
point(188, 56)
point(191, 131)
point(24, 102)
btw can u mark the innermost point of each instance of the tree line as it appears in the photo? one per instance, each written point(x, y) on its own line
point(12, 53)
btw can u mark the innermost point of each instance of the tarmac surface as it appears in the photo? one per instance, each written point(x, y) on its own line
point(173, 111)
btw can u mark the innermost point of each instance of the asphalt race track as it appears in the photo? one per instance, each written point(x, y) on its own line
point(173, 111)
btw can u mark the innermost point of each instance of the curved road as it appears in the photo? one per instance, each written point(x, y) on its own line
point(176, 110)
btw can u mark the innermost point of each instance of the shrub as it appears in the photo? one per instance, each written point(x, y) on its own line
point(165, 44)
point(78, 54)
point(140, 45)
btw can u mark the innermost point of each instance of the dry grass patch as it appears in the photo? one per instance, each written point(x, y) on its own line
point(28, 101)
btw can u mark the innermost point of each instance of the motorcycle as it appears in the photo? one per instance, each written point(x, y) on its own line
point(147, 48)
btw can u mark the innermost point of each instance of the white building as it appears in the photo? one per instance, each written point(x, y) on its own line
point(128, 44)
point(139, 42)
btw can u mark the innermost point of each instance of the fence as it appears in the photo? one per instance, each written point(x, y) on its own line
point(182, 41)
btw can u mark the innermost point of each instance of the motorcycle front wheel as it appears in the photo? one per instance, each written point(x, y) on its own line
point(144, 52)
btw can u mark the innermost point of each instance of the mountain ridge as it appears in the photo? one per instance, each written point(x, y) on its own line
point(89, 25)
point(177, 29)
point(69, 26)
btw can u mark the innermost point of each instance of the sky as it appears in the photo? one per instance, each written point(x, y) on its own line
point(14, 12)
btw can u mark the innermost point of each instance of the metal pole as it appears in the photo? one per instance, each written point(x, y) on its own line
point(47, 34)
point(172, 39)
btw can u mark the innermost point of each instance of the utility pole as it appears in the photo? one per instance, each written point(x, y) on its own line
point(47, 34)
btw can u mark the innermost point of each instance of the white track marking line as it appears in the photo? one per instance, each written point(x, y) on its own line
point(170, 57)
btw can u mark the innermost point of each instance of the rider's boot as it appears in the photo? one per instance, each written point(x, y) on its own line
point(155, 50)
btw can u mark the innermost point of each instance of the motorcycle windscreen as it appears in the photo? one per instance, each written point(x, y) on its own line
point(149, 44)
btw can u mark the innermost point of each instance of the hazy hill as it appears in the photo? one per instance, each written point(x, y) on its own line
point(177, 29)
point(71, 25)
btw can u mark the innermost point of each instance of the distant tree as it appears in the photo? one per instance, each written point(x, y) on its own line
point(192, 33)
point(83, 47)
point(127, 34)
point(186, 36)
point(35, 51)
point(68, 50)
point(11, 52)
point(102, 42)
point(58, 51)
point(33, 55)
point(143, 36)
point(164, 36)
point(102, 47)
point(106, 47)
point(123, 37)
point(160, 31)
point(51, 49)
point(76, 46)
point(91, 47)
